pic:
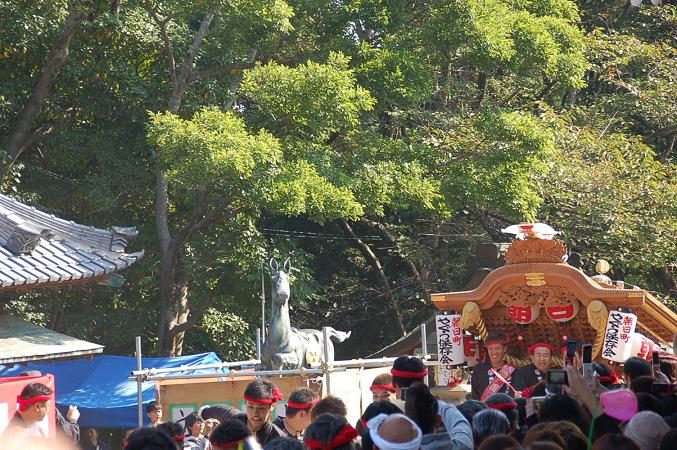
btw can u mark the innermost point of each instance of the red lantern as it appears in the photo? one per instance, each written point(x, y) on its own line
point(563, 313)
point(473, 351)
point(523, 314)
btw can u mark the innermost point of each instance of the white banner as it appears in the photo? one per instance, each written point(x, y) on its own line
point(617, 345)
point(449, 339)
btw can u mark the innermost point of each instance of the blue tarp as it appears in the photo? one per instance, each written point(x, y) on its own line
point(100, 389)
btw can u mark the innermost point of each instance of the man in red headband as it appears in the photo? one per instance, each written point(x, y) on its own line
point(297, 418)
point(34, 404)
point(382, 388)
point(492, 376)
point(260, 398)
point(528, 376)
point(406, 371)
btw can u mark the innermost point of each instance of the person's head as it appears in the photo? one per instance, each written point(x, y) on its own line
point(328, 405)
point(563, 407)
point(406, 371)
point(260, 397)
point(572, 435)
point(607, 377)
point(499, 442)
point(154, 412)
point(194, 424)
point(496, 346)
point(382, 388)
point(505, 404)
point(635, 367)
point(229, 434)
point(301, 401)
point(647, 430)
point(376, 408)
point(648, 402)
point(545, 445)
point(174, 430)
point(489, 422)
point(471, 407)
point(421, 407)
point(150, 439)
point(125, 438)
point(330, 432)
point(615, 441)
point(395, 431)
point(284, 443)
point(642, 384)
point(541, 354)
point(544, 435)
point(668, 441)
point(93, 435)
point(34, 402)
point(668, 365)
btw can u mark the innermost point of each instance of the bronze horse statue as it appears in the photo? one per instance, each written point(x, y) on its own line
point(286, 347)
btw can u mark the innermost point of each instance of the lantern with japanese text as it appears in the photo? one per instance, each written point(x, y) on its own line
point(617, 344)
point(642, 346)
point(562, 310)
point(449, 339)
point(474, 351)
point(523, 314)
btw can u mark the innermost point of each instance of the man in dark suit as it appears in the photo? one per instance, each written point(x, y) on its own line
point(492, 376)
point(525, 378)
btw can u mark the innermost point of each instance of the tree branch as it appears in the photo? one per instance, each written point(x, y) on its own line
point(46, 129)
point(194, 318)
point(220, 70)
point(235, 84)
point(169, 51)
point(161, 214)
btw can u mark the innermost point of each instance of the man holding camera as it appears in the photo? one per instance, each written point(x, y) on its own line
point(525, 378)
point(493, 376)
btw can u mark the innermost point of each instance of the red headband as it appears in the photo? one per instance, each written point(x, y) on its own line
point(218, 444)
point(25, 402)
point(532, 348)
point(407, 374)
point(266, 401)
point(383, 387)
point(505, 341)
point(347, 434)
point(302, 405)
point(502, 406)
point(612, 378)
point(179, 438)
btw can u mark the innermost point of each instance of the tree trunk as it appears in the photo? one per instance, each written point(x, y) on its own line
point(481, 89)
point(235, 84)
point(375, 263)
point(21, 132)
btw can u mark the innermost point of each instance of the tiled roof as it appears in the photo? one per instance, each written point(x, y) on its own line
point(38, 249)
point(21, 341)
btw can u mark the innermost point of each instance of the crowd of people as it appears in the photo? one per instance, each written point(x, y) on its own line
point(508, 408)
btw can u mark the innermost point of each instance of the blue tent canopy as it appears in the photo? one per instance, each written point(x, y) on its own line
point(100, 389)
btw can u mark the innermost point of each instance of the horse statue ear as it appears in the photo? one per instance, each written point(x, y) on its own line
point(287, 265)
point(273, 264)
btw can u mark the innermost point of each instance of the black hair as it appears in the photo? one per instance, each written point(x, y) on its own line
point(648, 402)
point(284, 443)
point(636, 367)
point(615, 441)
point(325, 428)
point(191, 419)
point(373, 410)
point(603, 371)
point(510, 413)
point(329, 405)
point(471, 407)
point(407, 364)
point(150, 439)
point(668, 441)
point(300, 395)
point(260, 389)
point(642, 384)
point(421, 407)
point(34, 390)
point(152, 406)
point(562, 407)
point(521, 410)
point(173, 429)
point(230, 430)
point(366, 442)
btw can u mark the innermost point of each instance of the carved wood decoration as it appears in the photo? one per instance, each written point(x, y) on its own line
point(535, 250)
point(597, 318)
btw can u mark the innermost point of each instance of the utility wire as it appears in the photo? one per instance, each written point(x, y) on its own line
point(312, 235)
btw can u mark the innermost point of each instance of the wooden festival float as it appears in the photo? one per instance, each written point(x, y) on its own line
point(537, 297)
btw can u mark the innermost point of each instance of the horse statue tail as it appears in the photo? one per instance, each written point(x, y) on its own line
point(337, 336)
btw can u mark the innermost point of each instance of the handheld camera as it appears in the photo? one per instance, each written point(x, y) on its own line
point(587, 364)
point(557, 377)
point(571, 353)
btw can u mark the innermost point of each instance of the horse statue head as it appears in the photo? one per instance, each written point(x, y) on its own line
point(281, 289)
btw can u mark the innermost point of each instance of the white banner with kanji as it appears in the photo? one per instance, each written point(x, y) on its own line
point(449, 339)
point(620, 327)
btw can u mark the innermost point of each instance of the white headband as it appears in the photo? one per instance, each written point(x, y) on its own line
point(382, 444)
